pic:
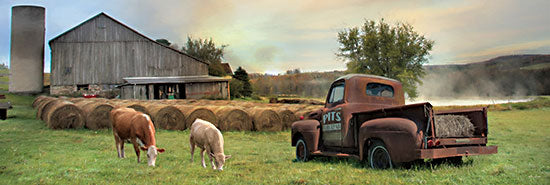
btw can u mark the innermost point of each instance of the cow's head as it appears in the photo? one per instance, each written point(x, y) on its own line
point(152, 153)
point(219, 160)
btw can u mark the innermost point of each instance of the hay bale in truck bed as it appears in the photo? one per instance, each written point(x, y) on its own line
point(64, 114)
point(453, 126)
point(233, 118)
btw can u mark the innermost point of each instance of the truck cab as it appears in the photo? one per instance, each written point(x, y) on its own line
point(365, 117)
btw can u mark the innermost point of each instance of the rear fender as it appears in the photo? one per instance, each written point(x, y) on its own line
point(309, 129)
point(400, 136)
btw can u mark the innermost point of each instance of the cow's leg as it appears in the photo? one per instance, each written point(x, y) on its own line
point(122, 149)
point(192, 148)
point(136, 148)
point(202, 158)
point(118, 143)
point(210, 157)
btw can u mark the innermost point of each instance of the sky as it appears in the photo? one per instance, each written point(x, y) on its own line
point(278, 35)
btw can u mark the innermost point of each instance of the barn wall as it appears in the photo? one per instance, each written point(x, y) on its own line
point(134, 92)
point(102, 51)
point(207, 89)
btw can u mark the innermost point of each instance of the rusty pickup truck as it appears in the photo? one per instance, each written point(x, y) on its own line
point(365, 117)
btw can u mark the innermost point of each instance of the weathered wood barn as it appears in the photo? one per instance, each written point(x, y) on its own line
point(98, 54)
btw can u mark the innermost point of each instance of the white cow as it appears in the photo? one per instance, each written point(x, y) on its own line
point(207, 137)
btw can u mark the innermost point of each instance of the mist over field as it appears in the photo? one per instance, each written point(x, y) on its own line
point(503, 79)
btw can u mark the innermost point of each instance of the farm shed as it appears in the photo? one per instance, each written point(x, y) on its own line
point(99, 53)
point(175, 87)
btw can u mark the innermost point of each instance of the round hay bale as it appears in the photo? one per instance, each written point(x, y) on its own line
point(82, 103)
point(287, 117)
point(233, 118)
point(37, 101)
point(170, 118)
point(153, 109)
point(64, 114)
point(76, 100)
point(44, 107)
point(41, 102)
point(266, 119)
point(140, 107)
point(97, 115)
point(193, 112)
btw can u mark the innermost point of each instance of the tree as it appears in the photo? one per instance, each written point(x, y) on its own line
point(164, 42)
point(396, 52)
point(241, 75)
point(207, 51)
point(235, 88)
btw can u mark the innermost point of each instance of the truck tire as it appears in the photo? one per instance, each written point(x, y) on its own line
point(302, 152)
point(379, 157)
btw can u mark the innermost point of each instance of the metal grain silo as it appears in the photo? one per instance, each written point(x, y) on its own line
point(27, 49)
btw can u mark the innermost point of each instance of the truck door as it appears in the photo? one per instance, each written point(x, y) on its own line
point(331, 119)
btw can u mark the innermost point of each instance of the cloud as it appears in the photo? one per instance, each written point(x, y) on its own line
point(289, 34)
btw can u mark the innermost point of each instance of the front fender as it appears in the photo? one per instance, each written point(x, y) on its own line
point(309, 129)
point(400, 135)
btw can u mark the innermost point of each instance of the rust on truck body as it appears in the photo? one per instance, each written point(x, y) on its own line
point(364, 109)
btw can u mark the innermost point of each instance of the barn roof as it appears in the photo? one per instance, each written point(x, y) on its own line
point(113, 19)
point(174, 79)
point(227, 68)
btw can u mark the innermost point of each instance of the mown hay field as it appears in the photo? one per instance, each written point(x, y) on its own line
point(34, 154)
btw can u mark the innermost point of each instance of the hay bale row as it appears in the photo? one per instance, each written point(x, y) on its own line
point(180, 114)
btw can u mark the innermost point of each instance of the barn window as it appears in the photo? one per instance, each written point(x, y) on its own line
point(377, 89)
point(82, 87)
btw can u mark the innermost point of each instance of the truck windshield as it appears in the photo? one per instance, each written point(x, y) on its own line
point(376, 89)
point(337, 93)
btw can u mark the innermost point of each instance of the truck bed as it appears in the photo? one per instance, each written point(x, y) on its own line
point(423, 115)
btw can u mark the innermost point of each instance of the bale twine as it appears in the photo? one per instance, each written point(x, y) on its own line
point(265, 119)
point(193, 112)
point(287, 117)
point(171, 118)
point(97, 115)
point(453, 126)
point(233, 118)
point(64, 114)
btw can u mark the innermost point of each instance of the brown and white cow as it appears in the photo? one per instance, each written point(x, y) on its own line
point(138, 128)
point(207, 137)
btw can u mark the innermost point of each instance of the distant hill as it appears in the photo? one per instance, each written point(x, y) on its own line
point(514, 75)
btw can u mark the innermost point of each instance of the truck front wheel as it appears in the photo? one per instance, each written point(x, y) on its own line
point(302, 153)
point(379, 157)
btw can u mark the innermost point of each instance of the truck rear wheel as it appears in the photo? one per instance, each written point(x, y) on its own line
point(302, 152)
point(379, 157)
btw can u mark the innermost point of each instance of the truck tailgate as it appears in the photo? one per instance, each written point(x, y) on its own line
point(434, 153)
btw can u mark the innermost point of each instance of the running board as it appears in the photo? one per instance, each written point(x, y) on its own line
point(334, 154)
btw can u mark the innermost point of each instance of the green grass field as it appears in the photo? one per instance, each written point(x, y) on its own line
point(34, 154)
